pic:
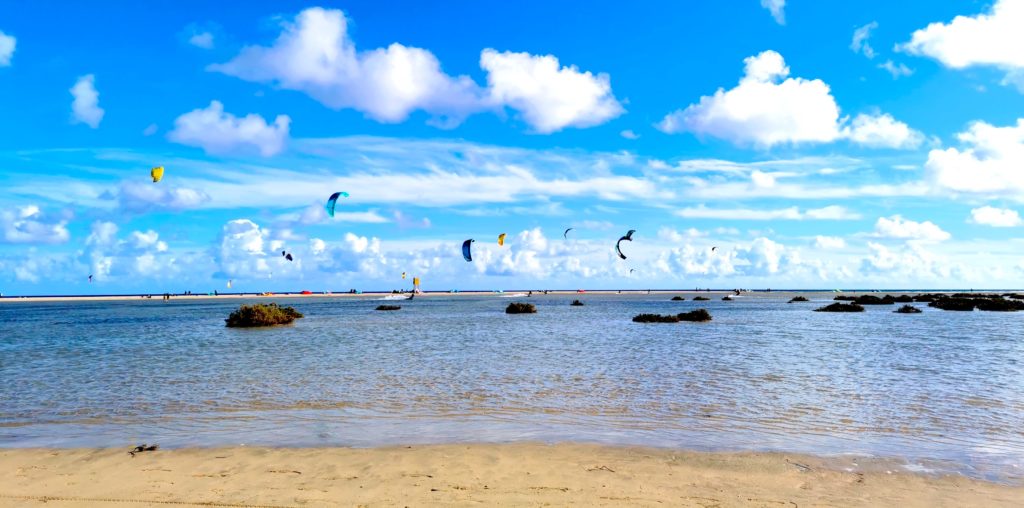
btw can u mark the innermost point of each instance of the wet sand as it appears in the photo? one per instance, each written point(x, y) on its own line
point(470, 475)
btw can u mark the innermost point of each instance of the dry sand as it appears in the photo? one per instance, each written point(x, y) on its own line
point(466, 475)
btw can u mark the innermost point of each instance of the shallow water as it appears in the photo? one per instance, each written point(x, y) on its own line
point(942, 390)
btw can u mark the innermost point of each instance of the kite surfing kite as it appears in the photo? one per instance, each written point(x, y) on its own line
point(501, 239)
point(90, 278)
point(629, 238)
point(566, 234)
point(333, 200)
point(229, 283)
point(157, 173)
point(403, 275)
point(713, 248)
point(287, 256)
point(465, 249)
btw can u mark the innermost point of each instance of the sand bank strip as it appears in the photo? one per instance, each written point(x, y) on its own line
point(466, 475)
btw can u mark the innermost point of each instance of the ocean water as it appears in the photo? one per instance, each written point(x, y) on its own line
point(940, 391)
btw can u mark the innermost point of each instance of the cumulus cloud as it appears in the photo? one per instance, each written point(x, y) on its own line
point(28, 224)
point(909, 262)
point(316, 214)
point(7, 46)
point(142, 254)
point(85, 108)
point(777, 8)
point(218, 132)
point(832, 212)
point(768, 108)
point(628, 134)
point(882, 131)
point(896, 227)
point(829, 242)
point(990, 161)
point(242, 249)
point(991, 39)
point(996, 217)
point(550, 97)
point(135, 197)
point(859, 44)
point(760, 257)
point(315, 55)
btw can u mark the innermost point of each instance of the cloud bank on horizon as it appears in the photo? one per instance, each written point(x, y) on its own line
point(882, 158)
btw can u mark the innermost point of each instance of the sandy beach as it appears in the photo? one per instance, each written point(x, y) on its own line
point(470, 475)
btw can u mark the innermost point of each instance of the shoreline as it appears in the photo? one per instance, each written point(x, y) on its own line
point(461, 474)
point(430, 294)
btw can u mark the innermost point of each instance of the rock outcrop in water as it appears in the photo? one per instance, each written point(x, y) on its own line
point(700, 298)
point(844, 298)
point(678, 299)
point(389, 307)
point(655, 318)
point(798, 299)
point(699, 316)
point(576, 303)
point(520, 308)
point(270, 314)
point(726, 298)
point(908, 309)
point(841, 307)
point(991, 303)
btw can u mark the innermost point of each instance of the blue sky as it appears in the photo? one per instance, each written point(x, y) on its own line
point(816, 144)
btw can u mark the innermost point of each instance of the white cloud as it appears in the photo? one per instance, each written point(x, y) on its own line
point(882, 131)
point(768, 108)
point(550, 97)
point(628, 134)
point(990, 163)
point(85, 108)
point(833, 212)
point(7, 46)
point(897, 227)
point(150, 130)
point(777, 8)
point(218, 132)
point(136, 197)
point(316, 214)
point(315, 55)
point(142, 255)
point(897, 70)
point(201, 40)
point(996, 217)
point(242, 249)
point(859, 44)
point(829, 242)
point(911, 262)
point(28, 224)
point(991, 39)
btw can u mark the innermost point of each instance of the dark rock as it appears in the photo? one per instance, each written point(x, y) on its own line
point(843, 298)
point(798, 299)
point(957, 304)
point(655, 318)
point(389, 307)
point(726, 298)
point(699, 315)
point(678, 299)
point(841, 307)
point(908, 309)
point(874, 300)
point(520, 308)
point(903, 299)
point(576, 303)
point(270, 314)
point(701, 299)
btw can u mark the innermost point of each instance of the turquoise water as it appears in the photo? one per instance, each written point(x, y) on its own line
point(943, 391)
